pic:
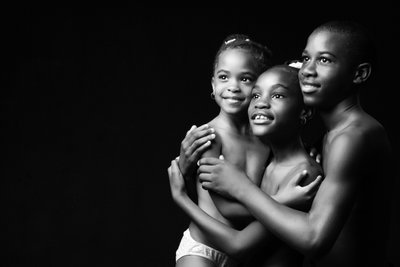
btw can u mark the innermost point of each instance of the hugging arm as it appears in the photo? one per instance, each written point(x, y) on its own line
point(203, 142)
point(314, 232)
point(237, 244)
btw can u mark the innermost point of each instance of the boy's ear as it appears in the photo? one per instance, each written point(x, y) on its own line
point(362, 73)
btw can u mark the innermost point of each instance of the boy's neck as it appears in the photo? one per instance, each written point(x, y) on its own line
point(334, 118)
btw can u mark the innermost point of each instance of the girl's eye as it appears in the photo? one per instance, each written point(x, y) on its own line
point(255, 96)
point(277, 96)
point(222, 77)
point(247, 79)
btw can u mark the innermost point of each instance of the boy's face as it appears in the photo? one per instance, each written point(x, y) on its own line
point(326, 75)
point(276, 103)
point(233, 79)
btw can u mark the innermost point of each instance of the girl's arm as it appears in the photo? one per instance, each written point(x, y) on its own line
point(237, 244)
point(314, 232)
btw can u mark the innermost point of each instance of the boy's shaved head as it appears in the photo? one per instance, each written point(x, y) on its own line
point(359, 41)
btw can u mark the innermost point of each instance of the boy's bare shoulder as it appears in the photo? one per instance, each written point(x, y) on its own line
point(364, 131)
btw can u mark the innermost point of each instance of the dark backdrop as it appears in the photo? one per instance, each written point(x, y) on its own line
point(94, 104)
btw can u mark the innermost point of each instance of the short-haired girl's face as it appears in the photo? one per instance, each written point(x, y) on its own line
point(327, 72)
point(276, 103)
point(234, 77)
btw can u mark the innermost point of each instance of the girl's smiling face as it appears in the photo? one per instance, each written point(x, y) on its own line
point(233, 80)
point(276, 102)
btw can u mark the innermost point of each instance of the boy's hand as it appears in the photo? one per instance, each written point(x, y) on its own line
point(315, 155)
point(296, 196)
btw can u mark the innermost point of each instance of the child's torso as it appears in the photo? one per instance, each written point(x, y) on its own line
point(275, 177)
point(363, 238)
point(248, 154)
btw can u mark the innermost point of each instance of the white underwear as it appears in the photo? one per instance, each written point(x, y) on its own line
point(189, 246)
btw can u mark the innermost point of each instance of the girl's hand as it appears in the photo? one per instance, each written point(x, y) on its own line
point(176, 181)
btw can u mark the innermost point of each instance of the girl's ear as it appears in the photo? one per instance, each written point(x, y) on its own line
point(362, 73)
point(213, 88)
point(213, 83)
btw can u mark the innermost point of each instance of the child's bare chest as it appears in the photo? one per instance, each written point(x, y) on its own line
point(247, 155)
point(275, 177)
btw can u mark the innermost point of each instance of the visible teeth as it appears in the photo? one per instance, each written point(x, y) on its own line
point(261, 117)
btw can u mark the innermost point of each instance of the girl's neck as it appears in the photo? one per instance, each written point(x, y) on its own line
point(234, 123)
point(286, 150)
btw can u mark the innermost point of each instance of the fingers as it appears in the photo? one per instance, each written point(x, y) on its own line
point(205, 178)
point(175, 167)
point(191, 129)
point(201, 134)
point(209, 161)
point(314, 185)
point(204, 169)
point(199, 146)
point(169, 170)
point(205, 185)
point(318, 158)
point(313, 152)
point(300, 177)
point(197, 140)
point(315, 155)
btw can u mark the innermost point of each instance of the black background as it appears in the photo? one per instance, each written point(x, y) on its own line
point(95, 102)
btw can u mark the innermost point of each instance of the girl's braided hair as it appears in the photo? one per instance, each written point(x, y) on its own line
point(262, 54)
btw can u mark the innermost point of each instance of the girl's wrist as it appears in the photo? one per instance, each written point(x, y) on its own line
point(180, 198)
